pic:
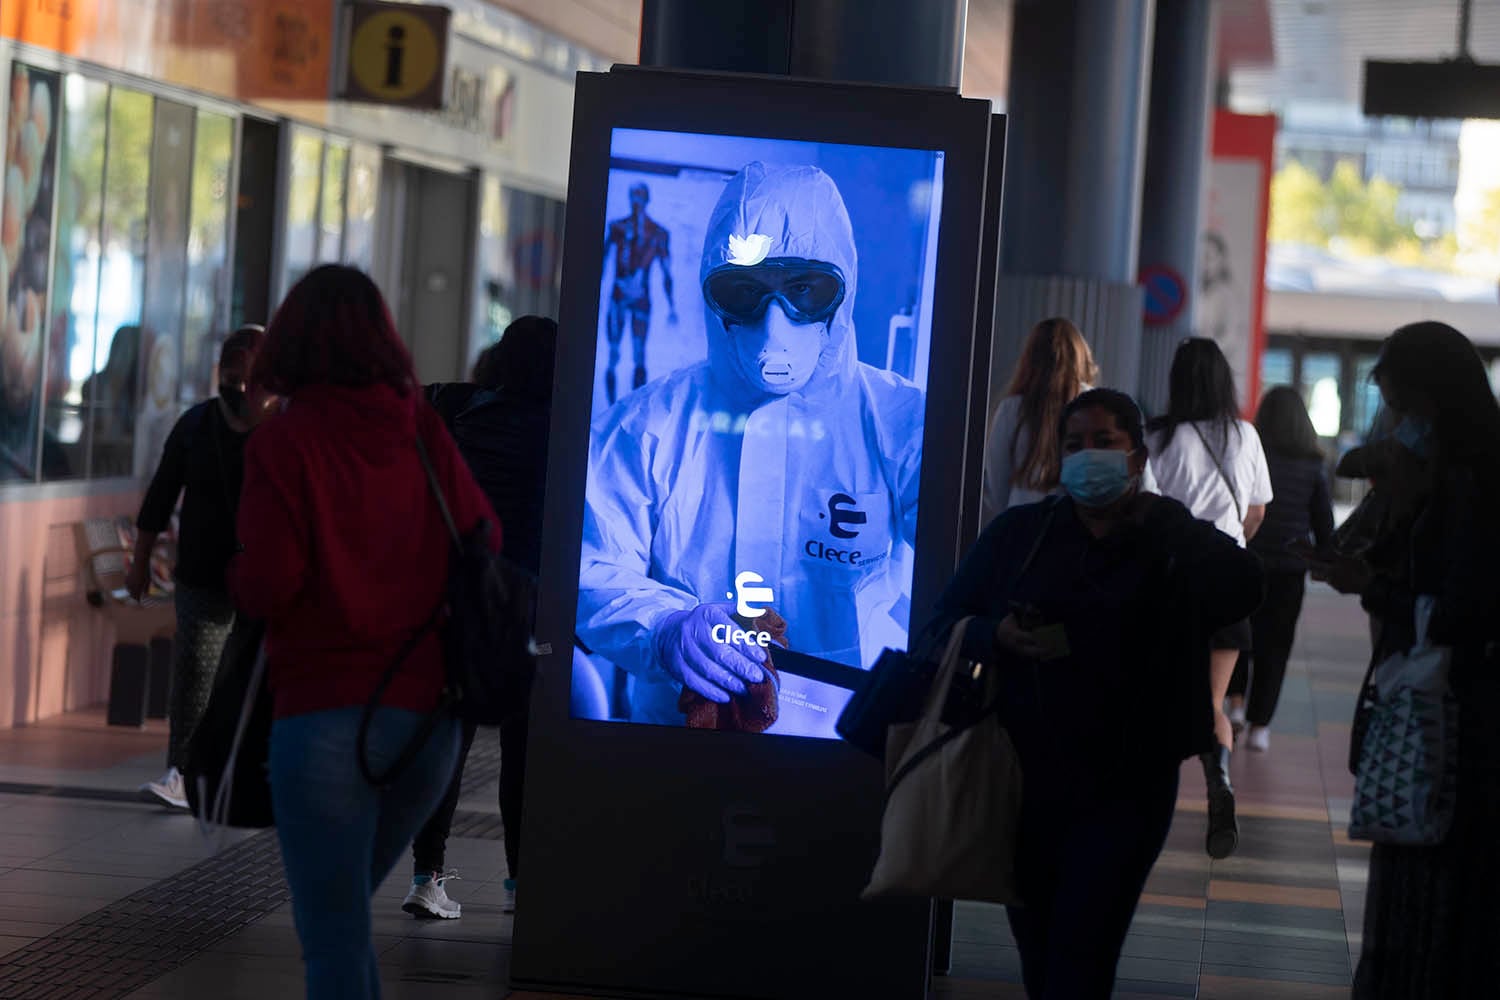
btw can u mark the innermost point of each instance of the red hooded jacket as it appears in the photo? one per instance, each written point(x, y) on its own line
point(345, 551)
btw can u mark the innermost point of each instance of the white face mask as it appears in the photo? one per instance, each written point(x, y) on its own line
point(776, 355)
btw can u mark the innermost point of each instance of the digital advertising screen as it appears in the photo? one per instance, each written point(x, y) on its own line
point(757, 423)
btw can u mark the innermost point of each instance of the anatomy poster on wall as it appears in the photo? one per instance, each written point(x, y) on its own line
point(759, 401)
point(1232, 251)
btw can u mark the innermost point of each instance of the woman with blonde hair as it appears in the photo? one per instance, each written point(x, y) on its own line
point(1020, 465)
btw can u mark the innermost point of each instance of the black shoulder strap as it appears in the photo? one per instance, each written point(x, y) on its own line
point(1234, 494)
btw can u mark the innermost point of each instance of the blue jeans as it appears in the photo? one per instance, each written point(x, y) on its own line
point(340, 836)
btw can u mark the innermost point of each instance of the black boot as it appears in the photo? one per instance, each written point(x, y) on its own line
point(1223, 831)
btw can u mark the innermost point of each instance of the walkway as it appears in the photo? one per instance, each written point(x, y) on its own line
point(105, 897)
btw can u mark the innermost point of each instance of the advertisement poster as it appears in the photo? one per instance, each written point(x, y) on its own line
point(758, 408)
point(1232, 253)
point(25, 242)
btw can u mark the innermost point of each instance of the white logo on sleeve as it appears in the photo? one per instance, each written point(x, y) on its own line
point(747, 251)
point(747, 589)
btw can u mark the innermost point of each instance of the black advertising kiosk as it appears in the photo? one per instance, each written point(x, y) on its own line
point(763, 388)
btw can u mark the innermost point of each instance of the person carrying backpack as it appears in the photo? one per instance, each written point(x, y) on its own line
point(500, 421)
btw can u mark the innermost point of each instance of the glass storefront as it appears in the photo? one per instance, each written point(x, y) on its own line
point(123, 307)
point(117, 270)
point(520, 260)
point(331, 204)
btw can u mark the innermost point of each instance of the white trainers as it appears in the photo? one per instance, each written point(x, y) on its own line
point(1236, 715)
point(168, 790)
point(508, 896)
point(429, 901)
point(1259, 739)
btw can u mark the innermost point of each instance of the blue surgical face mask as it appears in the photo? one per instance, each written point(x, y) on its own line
point(1415, 433)
point(1097, 477)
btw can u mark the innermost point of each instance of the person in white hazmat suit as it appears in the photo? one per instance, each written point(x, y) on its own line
point(781, 472)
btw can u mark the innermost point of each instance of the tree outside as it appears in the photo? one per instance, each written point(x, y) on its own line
point(1352, 217)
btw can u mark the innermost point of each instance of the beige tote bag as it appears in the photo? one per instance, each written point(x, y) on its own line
point(953, 802)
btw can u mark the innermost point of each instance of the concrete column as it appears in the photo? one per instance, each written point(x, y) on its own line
point(1071, 230)
point(1178, 138)
point(914, 43)
point(734, 36)
point(821, 39)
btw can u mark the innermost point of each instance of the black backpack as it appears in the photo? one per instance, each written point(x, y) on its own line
point(489, 656)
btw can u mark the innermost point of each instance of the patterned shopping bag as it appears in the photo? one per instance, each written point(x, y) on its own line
point(1406, 784)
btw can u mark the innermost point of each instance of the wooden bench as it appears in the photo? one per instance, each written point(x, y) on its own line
point(140, 665)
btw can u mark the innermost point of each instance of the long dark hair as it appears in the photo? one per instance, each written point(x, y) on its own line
point(1200, 390)
point(1054, 367)
point(1435, 363)
point(333, 328)
point(1284, 426)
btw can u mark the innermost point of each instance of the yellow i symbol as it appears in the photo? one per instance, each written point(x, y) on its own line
point(394, 55)
point(394, 49)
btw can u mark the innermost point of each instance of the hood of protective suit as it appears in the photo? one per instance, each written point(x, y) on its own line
point(800, 210)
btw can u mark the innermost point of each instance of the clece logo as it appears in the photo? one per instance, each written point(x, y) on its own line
point(844, 518)
point(748, 587)
point(747, 251)
point(841, 511)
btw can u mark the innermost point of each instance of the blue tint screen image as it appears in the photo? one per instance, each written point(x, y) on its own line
point(756, 447)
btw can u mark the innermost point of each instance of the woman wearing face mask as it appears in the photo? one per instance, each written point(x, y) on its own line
point(1096, 609)
point(1431, 924)
point(202, 462)
point(1205, 456)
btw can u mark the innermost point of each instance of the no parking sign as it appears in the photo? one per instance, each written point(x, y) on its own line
point(1166, 294)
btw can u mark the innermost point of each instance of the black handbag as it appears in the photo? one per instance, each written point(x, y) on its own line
point(233, 740)
point(899, 681)
point(489, 656)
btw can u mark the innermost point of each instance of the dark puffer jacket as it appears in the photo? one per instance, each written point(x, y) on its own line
point(503, 438)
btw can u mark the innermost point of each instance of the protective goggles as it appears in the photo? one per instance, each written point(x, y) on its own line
point(809, 291)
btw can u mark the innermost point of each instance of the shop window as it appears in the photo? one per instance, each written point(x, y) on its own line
point(207, 288)
point(111, 393)
point(167, 231)
point(1276, 368)
point(1322, 393)
point(331, 204)
point(303, 185)
point(361, 204)
point(25, 243)
point(74, 304)
point(520, 256)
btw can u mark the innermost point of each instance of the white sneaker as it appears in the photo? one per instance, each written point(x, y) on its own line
point(1236, 716)
point(508, 896)
point(429, 901)
point(1260, 739)
point(168, 790)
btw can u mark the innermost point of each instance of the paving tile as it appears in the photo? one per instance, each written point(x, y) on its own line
point(1217, 987)
point(1226, 890)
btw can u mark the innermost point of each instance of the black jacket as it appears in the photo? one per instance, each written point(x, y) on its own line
point(503, 437)
point(203, 461)
point(1138, 608)
point(1302, 509)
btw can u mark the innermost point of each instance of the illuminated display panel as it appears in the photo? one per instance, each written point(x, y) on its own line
point(758, 403)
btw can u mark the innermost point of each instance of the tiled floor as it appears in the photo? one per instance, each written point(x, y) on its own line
point(1278, 920)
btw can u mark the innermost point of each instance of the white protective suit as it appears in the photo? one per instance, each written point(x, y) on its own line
point(699, 476)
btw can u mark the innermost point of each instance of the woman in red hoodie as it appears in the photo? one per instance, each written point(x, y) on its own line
point(345, 557)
